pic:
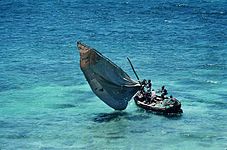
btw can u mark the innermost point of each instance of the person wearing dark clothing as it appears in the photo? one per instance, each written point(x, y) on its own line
point(163, 92)
point(143, 84)
point(149, 85)
point(162, 89)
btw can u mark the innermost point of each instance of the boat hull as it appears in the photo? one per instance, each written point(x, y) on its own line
point(176, 109)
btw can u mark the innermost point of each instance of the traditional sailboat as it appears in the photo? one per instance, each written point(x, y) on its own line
point(108, 81)
point(114, 86)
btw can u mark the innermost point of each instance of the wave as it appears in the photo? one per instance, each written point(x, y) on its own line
point(212, 81)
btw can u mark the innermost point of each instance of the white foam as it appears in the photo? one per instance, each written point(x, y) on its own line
point(211, 81)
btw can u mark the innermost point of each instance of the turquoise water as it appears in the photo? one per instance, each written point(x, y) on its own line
point(46, 103)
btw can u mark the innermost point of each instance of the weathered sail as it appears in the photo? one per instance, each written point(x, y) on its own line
point(108, 81)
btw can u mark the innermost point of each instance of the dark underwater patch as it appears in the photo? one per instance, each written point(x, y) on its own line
point(115, 116)
point(110, 137)
point(107, 117)
point(62, 106)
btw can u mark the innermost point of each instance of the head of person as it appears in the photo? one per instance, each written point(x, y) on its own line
point(171, 96)
point(163, 87)
point(149, 81)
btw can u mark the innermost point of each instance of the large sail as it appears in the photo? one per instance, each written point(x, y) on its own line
point(108, 81)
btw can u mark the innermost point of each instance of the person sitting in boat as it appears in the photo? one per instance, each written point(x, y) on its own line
point(161, 90)
point(144, 82)
point(169, 102)
point(140, 95)
point(164, 91)
point(147, 97)
point(153, 93)
point(172, 99)
point(153, 96)
point(143, 85)
point(148, 86)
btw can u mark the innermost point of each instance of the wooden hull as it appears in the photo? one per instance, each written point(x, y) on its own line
point(176, 109)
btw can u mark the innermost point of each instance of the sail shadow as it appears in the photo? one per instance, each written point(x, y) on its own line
point(107, 117)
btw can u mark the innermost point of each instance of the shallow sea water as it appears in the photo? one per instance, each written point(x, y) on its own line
point(46, 103)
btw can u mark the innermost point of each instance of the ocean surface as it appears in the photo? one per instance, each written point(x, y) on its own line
point(46, 103)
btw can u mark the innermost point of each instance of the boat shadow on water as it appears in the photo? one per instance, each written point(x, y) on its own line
point(141, 114)
point(119, 115)
point(107, 117)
